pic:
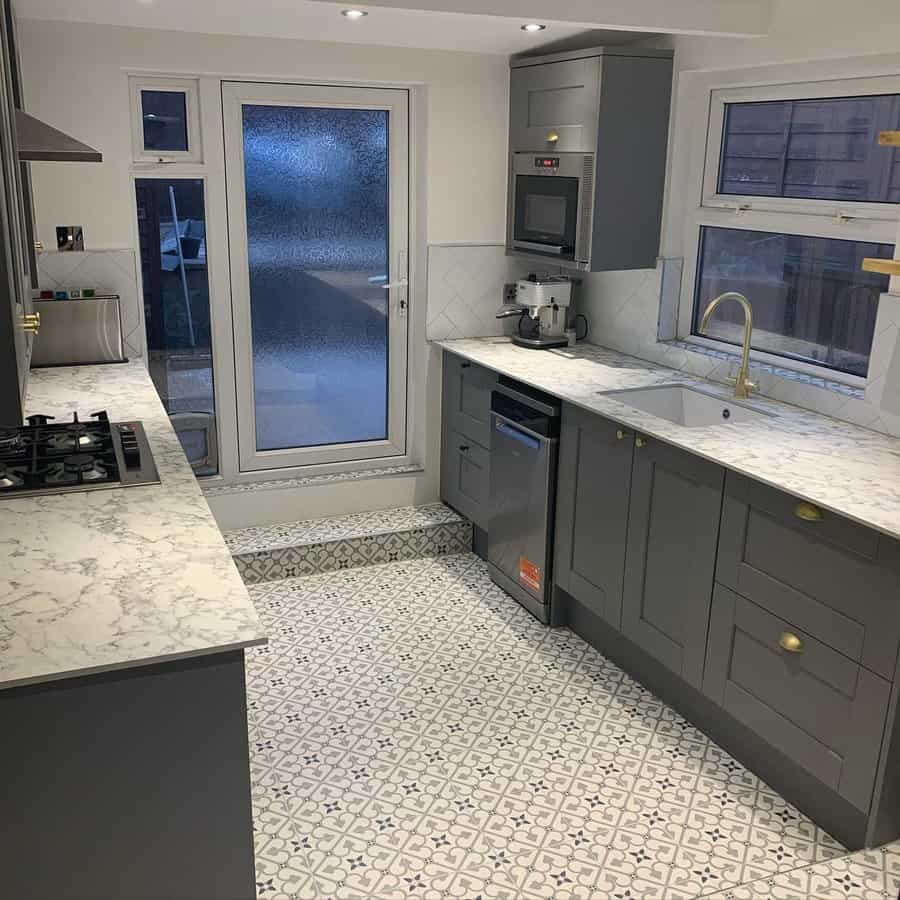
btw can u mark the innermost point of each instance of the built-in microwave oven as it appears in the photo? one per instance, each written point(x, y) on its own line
point(551, 201)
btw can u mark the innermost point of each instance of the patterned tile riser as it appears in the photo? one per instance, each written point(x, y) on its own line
point(290, 562)
point(415, 733)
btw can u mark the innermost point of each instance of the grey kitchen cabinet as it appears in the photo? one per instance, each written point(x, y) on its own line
point(670, 558)
point(465, 437)
point(836, 579)
point(817, 706)
point(558, 99)
point(593, 493)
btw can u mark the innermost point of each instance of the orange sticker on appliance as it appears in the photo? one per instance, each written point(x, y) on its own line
point(529, 573)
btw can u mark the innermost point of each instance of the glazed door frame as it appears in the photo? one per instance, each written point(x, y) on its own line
point(396, 101)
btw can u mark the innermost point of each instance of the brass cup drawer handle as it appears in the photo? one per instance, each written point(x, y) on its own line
point(790, 642)
point(808, 512)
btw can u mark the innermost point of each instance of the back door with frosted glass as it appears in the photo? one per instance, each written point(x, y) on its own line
point(317, 181)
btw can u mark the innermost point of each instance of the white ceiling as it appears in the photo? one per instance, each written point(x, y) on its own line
point(429, 24)
point(305, 20)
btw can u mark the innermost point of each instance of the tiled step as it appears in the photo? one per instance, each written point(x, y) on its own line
point(271, 552)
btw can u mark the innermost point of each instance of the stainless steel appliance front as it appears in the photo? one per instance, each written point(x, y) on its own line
point(524, 446)
point(551, 206)
point(78, 332)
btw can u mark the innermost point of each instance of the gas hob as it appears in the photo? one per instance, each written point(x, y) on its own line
point(45, 457)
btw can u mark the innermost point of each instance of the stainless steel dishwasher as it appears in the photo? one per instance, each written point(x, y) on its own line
point(524, 448)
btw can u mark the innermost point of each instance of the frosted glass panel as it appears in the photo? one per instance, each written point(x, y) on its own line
point(317, 233)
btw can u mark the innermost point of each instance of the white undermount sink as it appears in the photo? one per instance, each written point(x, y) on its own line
point(686, 406)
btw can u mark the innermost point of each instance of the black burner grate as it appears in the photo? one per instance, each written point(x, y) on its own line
point(44, 454)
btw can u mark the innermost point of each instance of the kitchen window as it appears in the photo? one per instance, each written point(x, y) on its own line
point(165, 124)
point(796, 191)
point(171, 218)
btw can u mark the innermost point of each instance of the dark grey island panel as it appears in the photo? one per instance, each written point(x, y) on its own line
point(130, 785)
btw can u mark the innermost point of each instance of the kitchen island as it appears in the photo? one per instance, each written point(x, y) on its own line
point(122, 627)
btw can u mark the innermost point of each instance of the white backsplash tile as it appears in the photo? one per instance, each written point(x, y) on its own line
point(109, 271)
point(623, 310)
point(465, 289)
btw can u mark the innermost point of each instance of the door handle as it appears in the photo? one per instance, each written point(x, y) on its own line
point(403, 282)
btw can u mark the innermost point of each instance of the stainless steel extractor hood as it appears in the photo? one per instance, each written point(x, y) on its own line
point(39, 142)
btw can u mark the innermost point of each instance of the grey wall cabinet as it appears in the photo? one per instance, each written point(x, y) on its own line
point(673, 530)
point(465, 438)
point(556, 98)
point(592, 511)
point(815, 705)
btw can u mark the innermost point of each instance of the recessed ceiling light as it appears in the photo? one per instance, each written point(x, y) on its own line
point(533, 26)
point(354, 13)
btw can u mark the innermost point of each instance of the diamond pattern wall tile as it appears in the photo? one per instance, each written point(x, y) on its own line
point(108, 271)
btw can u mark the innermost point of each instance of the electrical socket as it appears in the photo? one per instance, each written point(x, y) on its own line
point(509, 293)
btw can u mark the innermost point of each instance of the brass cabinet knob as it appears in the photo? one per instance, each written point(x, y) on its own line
point(621, 434)
point(641, 441)
point(31, 323)
point(553, 137)
point(790, 642)
point(808, 512)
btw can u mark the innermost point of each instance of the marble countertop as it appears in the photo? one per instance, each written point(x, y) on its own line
point(110, 579)
point(840, 467)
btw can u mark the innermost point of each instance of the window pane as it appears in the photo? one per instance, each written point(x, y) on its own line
point(317, 239)
point(818, 149)
point(164, 115)
point(810, 298)
point(172, 229)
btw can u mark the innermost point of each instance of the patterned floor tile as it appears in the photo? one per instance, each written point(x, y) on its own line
point(867, 875)
point(416, 733)
point(382, 521)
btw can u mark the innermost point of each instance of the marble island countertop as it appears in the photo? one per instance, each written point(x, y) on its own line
point(110, 579)
point(840, 467)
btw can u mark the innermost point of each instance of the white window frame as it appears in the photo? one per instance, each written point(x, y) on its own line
point(190, 87)
point(874, 222)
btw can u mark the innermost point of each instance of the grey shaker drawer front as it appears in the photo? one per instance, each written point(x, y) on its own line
point(673, 528)
point(816, 706)
point(834, 578)
point(467, 398)
point(592, 511)
point(465, 476)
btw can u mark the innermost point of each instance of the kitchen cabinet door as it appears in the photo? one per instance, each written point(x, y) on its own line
point(558, 100)
point(594, 485)
point(466, 437)
point(467, 398)
point(817, 706)
point(673, 529)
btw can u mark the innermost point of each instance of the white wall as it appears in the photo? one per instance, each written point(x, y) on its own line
point(74, 77)
point(624, 306)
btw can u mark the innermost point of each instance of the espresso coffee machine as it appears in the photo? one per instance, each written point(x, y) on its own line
point(543, 304)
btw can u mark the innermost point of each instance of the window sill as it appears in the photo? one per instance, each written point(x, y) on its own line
point(792, 375)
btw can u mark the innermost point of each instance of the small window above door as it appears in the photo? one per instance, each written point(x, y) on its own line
point(165, 120)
